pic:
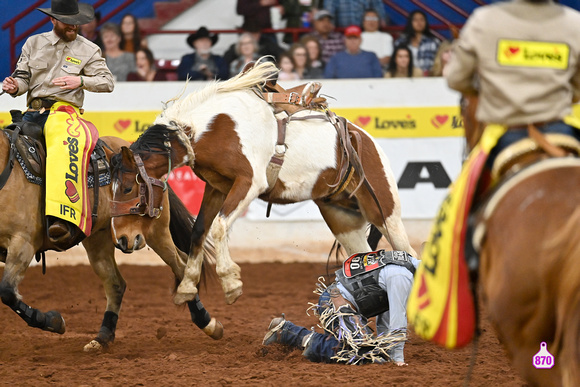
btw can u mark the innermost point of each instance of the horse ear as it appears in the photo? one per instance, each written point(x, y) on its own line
point(127, 156)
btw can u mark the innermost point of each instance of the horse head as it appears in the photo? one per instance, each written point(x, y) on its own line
point(139, 176)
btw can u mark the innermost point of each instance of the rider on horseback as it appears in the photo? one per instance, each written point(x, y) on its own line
point(522, 59)
point(525, 56)
point(55, 68)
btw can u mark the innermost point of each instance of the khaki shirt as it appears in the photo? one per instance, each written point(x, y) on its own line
point(526, 57)
point(47, 57)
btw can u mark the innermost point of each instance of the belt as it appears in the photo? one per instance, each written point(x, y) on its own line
point(41, 103)
point(536, 124)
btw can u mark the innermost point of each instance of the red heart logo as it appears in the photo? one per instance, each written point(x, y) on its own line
point(363, 121)
point(514, 50)
point(71, 191)
point(438, 120)
point(122, 125)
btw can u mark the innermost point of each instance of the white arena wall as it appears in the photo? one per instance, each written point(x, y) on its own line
point(415, 121)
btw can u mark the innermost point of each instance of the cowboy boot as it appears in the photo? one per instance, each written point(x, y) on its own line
point(285, 332)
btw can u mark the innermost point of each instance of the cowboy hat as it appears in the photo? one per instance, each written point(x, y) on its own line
point(202, 32)
point(70, 11)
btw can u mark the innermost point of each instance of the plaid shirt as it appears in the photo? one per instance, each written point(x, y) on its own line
point(349, 12)
point(426, 52)
point(333, 45)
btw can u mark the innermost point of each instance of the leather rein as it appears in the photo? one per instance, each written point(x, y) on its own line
point(144, 203)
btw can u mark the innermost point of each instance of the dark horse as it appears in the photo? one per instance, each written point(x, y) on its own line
point(23, 233)
point(528, 236)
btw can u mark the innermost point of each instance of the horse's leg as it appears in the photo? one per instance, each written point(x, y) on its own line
point(101, 252)
point(380, 177)
point(347, 225)
point(388, 222)
point(18, 257)
point(210, 205)
point(161, 241)
point(238, 199)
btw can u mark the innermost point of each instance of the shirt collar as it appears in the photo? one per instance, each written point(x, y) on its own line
point(54, 39)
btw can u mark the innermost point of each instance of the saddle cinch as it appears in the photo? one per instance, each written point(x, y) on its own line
point(28, 148)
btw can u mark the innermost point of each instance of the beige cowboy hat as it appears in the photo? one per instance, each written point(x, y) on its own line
point(70, 11)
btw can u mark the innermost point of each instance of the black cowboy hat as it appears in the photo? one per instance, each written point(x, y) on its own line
point(202, 32)
point(70, 11)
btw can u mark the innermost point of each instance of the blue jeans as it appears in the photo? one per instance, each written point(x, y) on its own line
point(512, 136)
point(40, 119)
point(321, 347)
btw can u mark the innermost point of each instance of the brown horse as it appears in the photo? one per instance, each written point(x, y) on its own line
point(528, 233)
point(22, 234)
point(231, 138)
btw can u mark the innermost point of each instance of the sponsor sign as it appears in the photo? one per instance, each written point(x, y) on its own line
point(533, 54)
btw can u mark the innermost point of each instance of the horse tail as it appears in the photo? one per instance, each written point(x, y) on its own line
point(181, 228)
point(567, 245)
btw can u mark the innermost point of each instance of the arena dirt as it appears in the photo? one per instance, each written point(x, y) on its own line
point(158, 345)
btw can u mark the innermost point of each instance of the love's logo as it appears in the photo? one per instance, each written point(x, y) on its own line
point(362, 120)
point(439, 120)
point(122, 125)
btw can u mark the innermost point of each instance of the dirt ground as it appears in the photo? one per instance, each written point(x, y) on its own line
point(158, 345)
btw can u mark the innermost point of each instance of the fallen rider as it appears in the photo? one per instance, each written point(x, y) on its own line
point(370, 284)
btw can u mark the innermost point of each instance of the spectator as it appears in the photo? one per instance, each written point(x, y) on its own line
point(266, 46)
point(257, 12)
point(91, 31)
point(202, 65)
point(146, 71)
point(401, 64)
point(353, 62)
point(441, 59)
point(287, 72)
point(350, 12)
point(131, 38)
point(120, 63)
point(302, 63)
point(293, 12)
point(381, 43)
point(420, 40)
point(314, 51)
point(247, 50)
point(331, 41)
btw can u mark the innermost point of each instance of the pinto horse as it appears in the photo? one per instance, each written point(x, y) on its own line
point(23, 233)
point(529, 272)
point(231, 137)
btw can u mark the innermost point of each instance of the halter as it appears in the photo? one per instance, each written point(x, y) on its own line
point(143, 204)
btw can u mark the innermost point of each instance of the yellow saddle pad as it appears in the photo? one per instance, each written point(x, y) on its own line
point(440, 305)
point(70, 140)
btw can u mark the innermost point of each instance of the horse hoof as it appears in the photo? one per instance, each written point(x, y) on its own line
point(181, 298)
point(55, 322)
point(233, 295)
point(214, 329)
point(93, 346)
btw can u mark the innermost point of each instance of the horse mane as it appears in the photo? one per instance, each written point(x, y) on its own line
point(261, 73)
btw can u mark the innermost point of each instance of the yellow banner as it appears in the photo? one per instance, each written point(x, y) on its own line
point(411, 122)
point(407, 122)
point(523, 53)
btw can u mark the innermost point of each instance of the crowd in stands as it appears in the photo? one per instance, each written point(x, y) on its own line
point(347, 39)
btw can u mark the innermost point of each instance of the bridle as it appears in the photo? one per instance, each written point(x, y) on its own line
point(144, 203)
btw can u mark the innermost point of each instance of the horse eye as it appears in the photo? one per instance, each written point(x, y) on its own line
point(127, 190)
